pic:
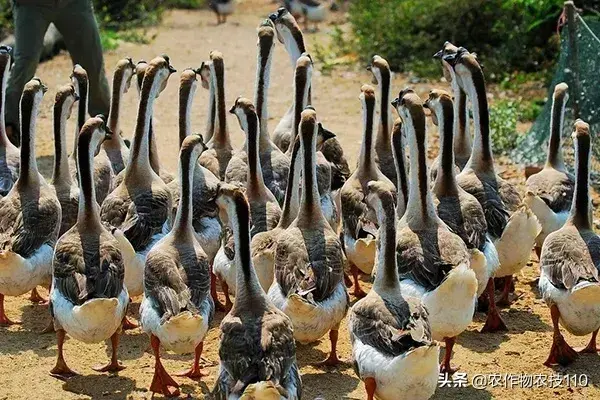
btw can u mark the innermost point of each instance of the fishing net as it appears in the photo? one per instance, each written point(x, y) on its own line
point(580, 70)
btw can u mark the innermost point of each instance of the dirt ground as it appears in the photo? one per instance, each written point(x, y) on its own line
point(26, 356)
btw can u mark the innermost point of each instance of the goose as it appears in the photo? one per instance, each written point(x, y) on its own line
point(88, 298)
point(462, 137)
point(433, 261)
point(312, 10)
point(257, 350)
point(390, 331)
point(400, 163)
point(177, 307)
point(382, 76)
point(265, 212)
point(511, 224)
point(222, 8)
point(103, 175)
point(9, 153)
point(275, 164)
point(140, 205)
point(116, 150)
point(204, 72)
point(167, 177)
point(570, 258)
point(219, 152)
point(461, 211)
point(206, 223)
point(30, 213)
point(309, 261)
point(290, 35)
point(66, 190)
point(359, 225)
point(550, 191)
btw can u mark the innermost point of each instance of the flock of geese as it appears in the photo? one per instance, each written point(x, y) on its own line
point(279, 221)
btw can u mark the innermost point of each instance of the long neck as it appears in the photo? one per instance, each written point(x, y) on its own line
point(255, 176)
point(81, 114)
point(295, 46)
point(249, 293)
point(263, 79)
point(555, 157)
point(580, 214)
point(4, 141)
point(462, 137)
point(28, 169)
point(387, 276)
point(301, 85)
point(186, 98)
point(420, 207)
point(221, 134)
point(119, 83)
point(445, 182)
point(212, 111)
point(88, 207)
point(385, 117)
point(183, 218)
point(310, 207)
point(140, 154)
point(366, 159)
point(60, 174)
point(481, 157)
point(290, 201)
point(400, 161)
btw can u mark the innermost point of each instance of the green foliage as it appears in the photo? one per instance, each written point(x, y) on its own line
point(508, 35)
point(186, 4)
point(340, 53)
point(503, 126)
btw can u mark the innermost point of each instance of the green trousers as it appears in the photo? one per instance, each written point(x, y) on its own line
point(76, 22)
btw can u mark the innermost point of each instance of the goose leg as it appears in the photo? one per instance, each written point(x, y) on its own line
point(61, 370)
point(494, 322)
point(560, 352)
point(504, 299)
point(4, 321)
point(228, 302)
point(195, 372)
point(591, 346)
point(36, 297)
point(161, 379)
point(113, 365)
point(358, 292)
point(445, 367)
point(127, 323)
point(370, 387)
point(333, 359)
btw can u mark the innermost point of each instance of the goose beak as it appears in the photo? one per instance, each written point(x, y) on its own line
point(44, 88)
point(439, 54)
point(171, 69)
point(108, 134)
point(232, 110)
point(327, 134)
point(76, 96)
point(273, 16)
point(369, 67)
point(395, 102)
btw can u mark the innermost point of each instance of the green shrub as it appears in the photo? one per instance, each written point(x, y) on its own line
point(508, 35)
point(503, 125)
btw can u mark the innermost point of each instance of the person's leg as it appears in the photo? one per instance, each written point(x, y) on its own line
point(31, 23)
point(76, 22)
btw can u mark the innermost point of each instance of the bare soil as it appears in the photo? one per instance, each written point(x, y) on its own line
point(187, 37)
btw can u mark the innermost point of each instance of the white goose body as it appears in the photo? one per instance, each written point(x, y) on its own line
point(570, 264)
point(9, 153)
point(30, 213)
point(390, 331)
point(309, 284)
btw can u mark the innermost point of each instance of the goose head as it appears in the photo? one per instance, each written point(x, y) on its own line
point(204, 72)
point(410, 108)
point(140, 71)
point(194, 146)
point(35, 90)
point(5, 59)
point(94, 132)
point(286, 26)
point(66, 96)
point(265, 390)
point(227, 196)
point(304, 65)
point(464, 63)
point(242, 109)
point(162, 68)
point(438, 101)
point(323, 134)
point(79, 78)
point(266, 35)
point(188, 81)
point(125, 68)
point(378, 67)
point(447, 50)
point(379, 199)
point(561, 93)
